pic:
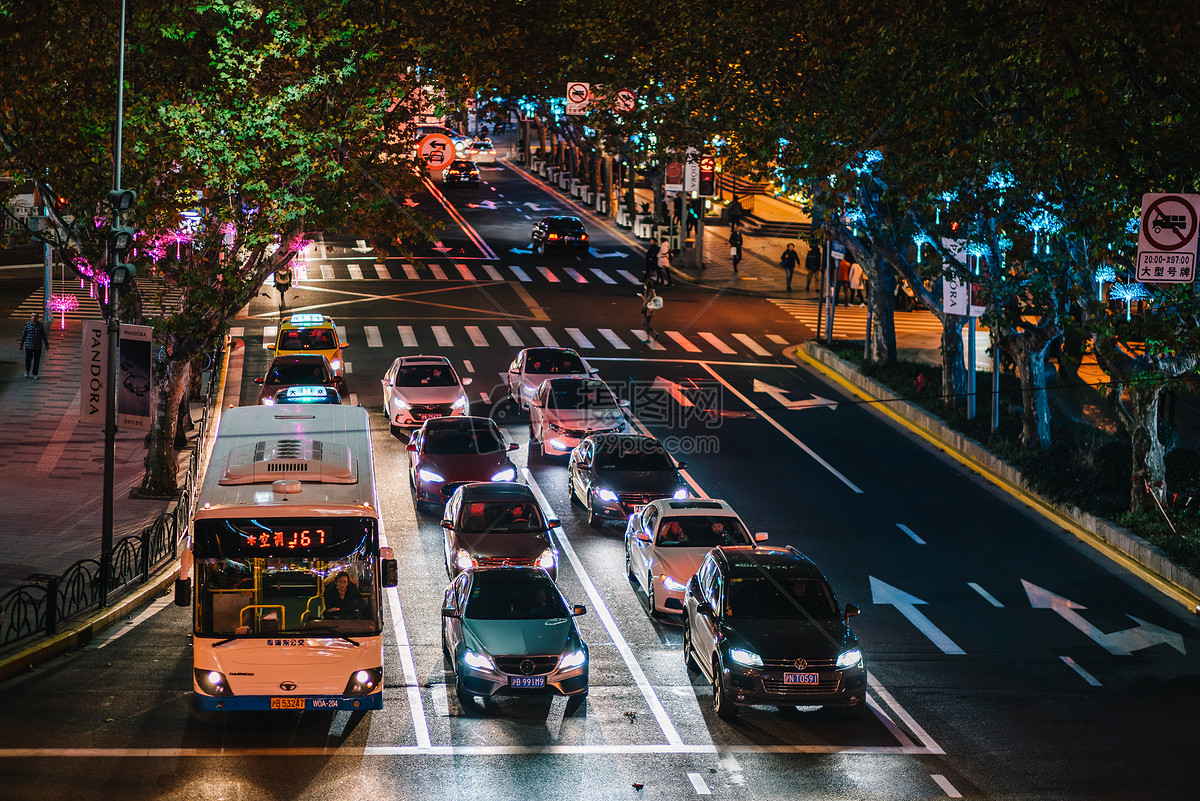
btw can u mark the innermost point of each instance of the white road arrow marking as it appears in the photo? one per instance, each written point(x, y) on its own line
point(887, 595)
point(483, 204)
point(438, 246)
point(781, 395)
point(536, 207)
point(615, 254)
point(521, 251)
point(672, 389)
point(1119, 643)
point(408, 201)
point(362, 246)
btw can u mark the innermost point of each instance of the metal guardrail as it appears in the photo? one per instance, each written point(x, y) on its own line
point(40, 607)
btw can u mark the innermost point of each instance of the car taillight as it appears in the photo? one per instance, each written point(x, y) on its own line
point(552, 236)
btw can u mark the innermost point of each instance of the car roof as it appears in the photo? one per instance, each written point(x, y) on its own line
point(616, 440)
point(562, 219)
point(566, 381)
point(460, 163)
point(693, 507)
point(306, 321)
point(496, 490)
point(750, 560)
point(504, 574)
point(300, 358)
point(542, 350)
point(411, 361)
point(462, 423)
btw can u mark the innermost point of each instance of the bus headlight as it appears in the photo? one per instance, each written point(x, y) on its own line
point(212, 682)
point(364, 682)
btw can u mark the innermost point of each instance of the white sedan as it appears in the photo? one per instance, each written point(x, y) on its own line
point(532, 366)
point(666, 542)
point(566, 410)
point(481, 152)
point(420, 388)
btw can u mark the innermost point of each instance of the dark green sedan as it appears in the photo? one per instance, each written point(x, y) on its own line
point(509, 631)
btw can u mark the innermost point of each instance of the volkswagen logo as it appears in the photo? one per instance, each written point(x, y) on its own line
point(801, 664)
point(287, 686)
point(526, 666)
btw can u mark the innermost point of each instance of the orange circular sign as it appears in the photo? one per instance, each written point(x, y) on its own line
point(437, 150)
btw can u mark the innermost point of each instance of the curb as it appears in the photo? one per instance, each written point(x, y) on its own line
point(1115, 543)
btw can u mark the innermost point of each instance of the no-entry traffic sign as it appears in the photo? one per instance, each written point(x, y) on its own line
point(1167, 238)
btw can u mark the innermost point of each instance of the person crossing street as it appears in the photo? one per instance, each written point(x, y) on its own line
point(32, 339)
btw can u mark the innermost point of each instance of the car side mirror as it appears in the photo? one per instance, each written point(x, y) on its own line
point(852, 610)
point(553, 522)
point(391, 573)
point(578, 609)
point(681, 465)
point(449, 611)
point(412, 446)
point(760, 536)
point(466, 382)
point(705, 608)
point(344, 345)
point(258, 380)
point(535, 402)
point(512, 446)
point(641, 536)
point(271, 346)
point(447, 524)
point(624, 404)
point(183, 592)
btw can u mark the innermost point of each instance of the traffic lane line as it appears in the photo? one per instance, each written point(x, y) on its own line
point(610, 625)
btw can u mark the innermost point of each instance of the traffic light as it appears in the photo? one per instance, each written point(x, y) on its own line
point(120, 242)
point(708, 176)
point(121, 200)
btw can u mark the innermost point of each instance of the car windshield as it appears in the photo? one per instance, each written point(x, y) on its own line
point(702, 531)
point(633, 455)
point(582, 396)
point(298, 373)
point(515, 600)
point(477, 440)
point(307, 339)
point(507, 516)
point(779, 597)
point(554, 364)
point(425, 375)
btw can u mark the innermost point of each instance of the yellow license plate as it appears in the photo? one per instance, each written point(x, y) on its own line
point(287, 703)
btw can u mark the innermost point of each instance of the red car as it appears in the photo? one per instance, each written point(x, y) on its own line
point(449, 451)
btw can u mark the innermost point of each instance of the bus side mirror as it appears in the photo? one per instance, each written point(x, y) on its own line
point(391, 573)
point(183, 592)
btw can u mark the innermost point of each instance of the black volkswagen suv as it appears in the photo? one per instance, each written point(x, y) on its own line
point(764, 626)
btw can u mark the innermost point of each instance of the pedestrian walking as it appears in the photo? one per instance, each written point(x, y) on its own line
point(843, 281)
point(33, 338)
point(651, 302)
point(812, 265)
point(651, 271)
point(664, 262)
point(788, 262)
point(857, 282)
point(283, 282)
point(735, 246)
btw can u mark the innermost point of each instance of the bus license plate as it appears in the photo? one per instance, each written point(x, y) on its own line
point(287, 703)
point(801, 678)
point(526, 682)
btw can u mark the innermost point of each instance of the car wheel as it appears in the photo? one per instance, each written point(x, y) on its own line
point(628, 560)
point(571, 493)
point(689, 655)
point(532, 433)
point(722, 699)
point(446, 559)
point(593, 518)
point(576, 702)
point(650, 592)
point(465, 698)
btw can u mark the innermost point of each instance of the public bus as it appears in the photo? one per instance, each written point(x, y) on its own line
point(287, 563)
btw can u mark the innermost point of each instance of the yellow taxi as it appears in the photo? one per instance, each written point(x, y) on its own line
point(311, 333)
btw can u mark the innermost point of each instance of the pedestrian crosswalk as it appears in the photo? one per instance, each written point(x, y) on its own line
point(73, 299)
point(850, 322)
point(599, 341)
point(451, 270)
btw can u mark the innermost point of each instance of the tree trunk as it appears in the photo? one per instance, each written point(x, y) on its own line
point(1029, 352)
point(881, 294)
point(161, 478)
point(1149, 469)
point(954, 366)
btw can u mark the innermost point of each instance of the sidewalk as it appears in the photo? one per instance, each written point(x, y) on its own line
point(51, 465)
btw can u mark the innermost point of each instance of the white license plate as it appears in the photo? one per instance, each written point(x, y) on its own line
point(801, 678)
point(527, 682)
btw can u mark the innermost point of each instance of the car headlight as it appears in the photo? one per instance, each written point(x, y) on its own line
point(429, 475)
point(464, 560)
point(336, 364)
point(671, 584)
point(556, 428)
point(461, 403)
point(572, 660)
point(268, 401)
point(546, 559)
point(606, 495)
point(745, 658)
point(680, 494)
point(849, 659)
point(212, 682)
point(478, 661)
point(400, 403)
point(507, 474)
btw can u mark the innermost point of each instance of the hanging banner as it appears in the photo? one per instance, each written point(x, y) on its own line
point(135, 390)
